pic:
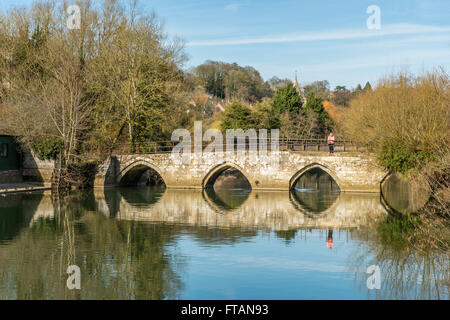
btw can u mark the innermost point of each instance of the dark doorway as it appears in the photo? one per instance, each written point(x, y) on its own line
point(143, 176)
point(229, 178)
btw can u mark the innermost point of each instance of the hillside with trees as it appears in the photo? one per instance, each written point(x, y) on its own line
point(231, 81)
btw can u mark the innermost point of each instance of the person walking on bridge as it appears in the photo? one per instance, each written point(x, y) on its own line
point(330, 141)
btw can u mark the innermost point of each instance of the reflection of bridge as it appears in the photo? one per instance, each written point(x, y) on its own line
point(277, 211)
point(261, 209)
point(351, 171)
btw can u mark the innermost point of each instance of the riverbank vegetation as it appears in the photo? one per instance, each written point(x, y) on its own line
point(79, 92)
point(406, 120)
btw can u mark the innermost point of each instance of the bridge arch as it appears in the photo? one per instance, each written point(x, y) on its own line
point(134, 170)
point(214, 173)
point(307, 168)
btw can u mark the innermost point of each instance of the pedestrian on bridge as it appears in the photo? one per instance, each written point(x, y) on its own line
point(330, 141)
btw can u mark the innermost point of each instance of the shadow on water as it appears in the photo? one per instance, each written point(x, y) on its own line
point(16, 213)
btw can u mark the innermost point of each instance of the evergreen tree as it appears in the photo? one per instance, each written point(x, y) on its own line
point(287, 99)
point(237, 116)
point(367, 87)
point(315, 104)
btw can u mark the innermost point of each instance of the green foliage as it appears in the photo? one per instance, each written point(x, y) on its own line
point(398, 157)
point(231, 81)
point(315, 103)
point(287, 99)
point(47, 149)
point(319, 88)
point(237, 116)
point(265, 117)
point(399, 229)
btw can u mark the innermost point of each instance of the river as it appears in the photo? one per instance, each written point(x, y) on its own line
point(152, 243)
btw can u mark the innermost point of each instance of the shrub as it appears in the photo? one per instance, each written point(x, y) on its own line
point(397, 157)
point(405, 119)
point(47, 149)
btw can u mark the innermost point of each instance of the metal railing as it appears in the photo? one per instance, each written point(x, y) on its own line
point(295, 145)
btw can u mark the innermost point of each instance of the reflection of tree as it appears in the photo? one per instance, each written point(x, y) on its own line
point(118, 259)
point(407, 271)
point(14, 216)
point(287, 235)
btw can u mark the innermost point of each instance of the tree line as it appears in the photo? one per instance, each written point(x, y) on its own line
point(288, 111)
point(78, 93)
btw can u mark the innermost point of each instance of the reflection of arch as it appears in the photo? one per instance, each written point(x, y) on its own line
point(383, 201)
point(210, 178)
point(220, 205)
point(411, 203)
point(297, 176)
point(305, 210)
point(142, 197)
point(137, 168)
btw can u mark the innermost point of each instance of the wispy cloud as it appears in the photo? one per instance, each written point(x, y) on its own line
point(233, 7)
point(388, 30)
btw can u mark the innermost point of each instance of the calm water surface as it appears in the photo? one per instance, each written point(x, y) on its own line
point(152, 243)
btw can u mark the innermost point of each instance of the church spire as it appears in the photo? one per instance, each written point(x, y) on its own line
point(296, 86)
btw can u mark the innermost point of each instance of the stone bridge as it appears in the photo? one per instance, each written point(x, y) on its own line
point(353, 172)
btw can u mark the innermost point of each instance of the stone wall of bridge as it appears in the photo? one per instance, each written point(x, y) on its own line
point(352, 172)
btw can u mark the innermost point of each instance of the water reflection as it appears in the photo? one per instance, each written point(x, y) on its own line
point(256, 209)
point(15, 215)
point(226, 200)
point(406, 272)
point(118, 259)
point(315, 191)
point(155, 243)
point(401, 195)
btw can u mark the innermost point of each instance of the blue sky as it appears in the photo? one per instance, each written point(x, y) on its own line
point(323, 40)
